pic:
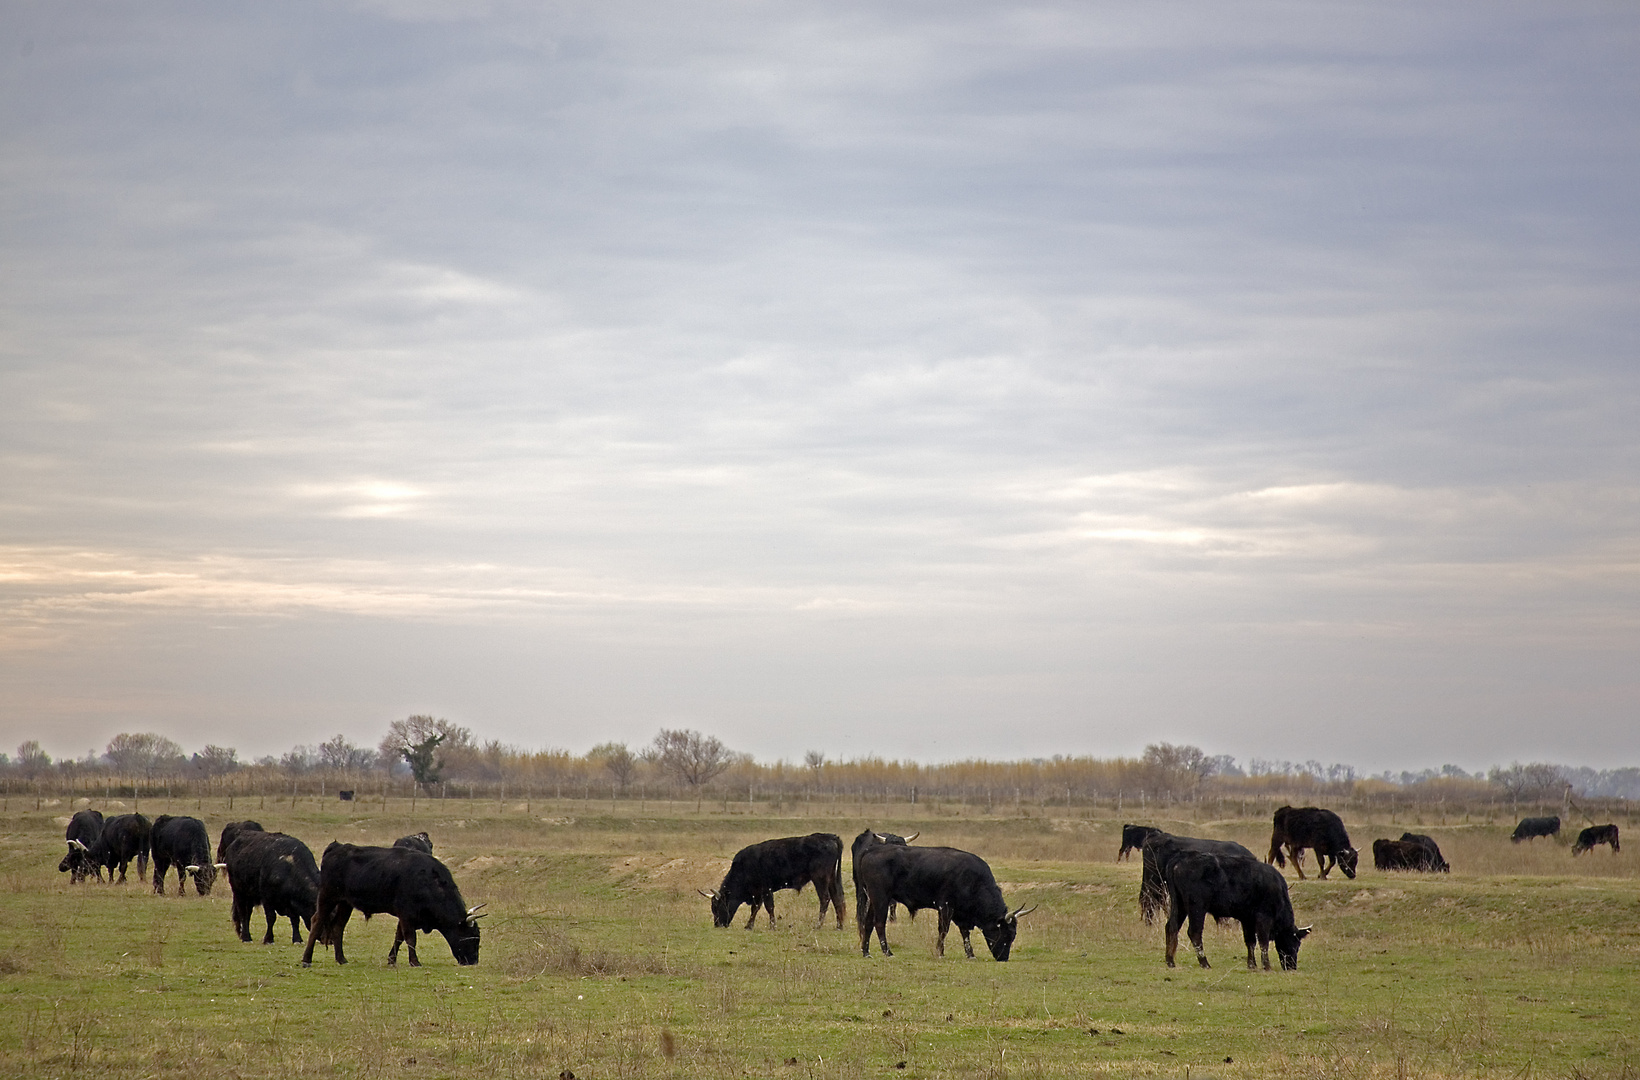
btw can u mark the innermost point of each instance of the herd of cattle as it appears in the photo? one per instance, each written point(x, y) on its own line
point(1191, 877)
point(278, 873)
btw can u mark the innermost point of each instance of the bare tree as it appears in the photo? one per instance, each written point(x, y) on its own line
point(342, 756)
point(693, 758)
point(215, 761)
point(617, 759)
point(144, 752)
point(31, 760)
point(1523, 782)
point(416, 730)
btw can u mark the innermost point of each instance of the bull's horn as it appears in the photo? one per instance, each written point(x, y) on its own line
point(1306, 929)
point(881, 839)
point(708, 895)
point(191, 869)
point(77, 844)
point(1023, 911)
point(474, 908)
point(220, 865)
point(913, 836)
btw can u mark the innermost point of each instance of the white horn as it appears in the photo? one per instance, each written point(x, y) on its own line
point(191, 869)
point(220, 865)
point(77, 844)
point(708, 895)
point(474, 908)
point(881, 839)
point(1023, 911)
point(913, 836)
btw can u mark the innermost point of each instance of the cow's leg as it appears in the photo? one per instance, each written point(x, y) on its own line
point(863, 921)
point(1198, 920)
point(159, 877)
point(755, 903)
point(967, 946)
point(768, 905)
point(142, 866)
point(881, 921)
point(1298, 860)
point(271, 913)
point(1175, 918)
point(316, 929)
point(337, 926)
point(240, 912)
point(398, 939)
point(944, 928)
point(1250, 935)
point(1324, 862)
point(296, 929)
point(837, 904)
point(182, 881)
point(123, 865)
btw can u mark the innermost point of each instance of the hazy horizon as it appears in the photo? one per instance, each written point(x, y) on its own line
point(928, 381)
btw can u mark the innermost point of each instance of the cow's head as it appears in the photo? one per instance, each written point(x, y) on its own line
point(463, 938)
point(722, 912)
point(204, 875)
point(77, 863)
point(1347, 860)
point(999, 935)
point(1287, 943)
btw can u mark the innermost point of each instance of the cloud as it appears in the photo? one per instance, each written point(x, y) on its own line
point(1139, 328)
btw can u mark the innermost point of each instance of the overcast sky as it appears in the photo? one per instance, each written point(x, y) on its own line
point(914, 379)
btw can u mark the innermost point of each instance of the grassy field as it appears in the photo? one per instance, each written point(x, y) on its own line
point(600, 960)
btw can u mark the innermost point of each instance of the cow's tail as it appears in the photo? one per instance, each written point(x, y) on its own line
point(837, 902)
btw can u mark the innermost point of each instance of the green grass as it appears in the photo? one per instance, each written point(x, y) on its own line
point(601, 959)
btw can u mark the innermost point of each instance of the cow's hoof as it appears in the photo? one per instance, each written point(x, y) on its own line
point(307, 963)
point(1203, 962)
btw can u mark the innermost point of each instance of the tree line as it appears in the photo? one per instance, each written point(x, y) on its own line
point(431, 754)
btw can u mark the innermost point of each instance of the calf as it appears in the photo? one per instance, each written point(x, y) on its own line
point(1297, 828)
point(182, 842)
point(956, 884)
point(758, 871)
point(1200, 884)
point(83, 830)
point(1436, 860)
point(1401, 855)
point(410, 885)
point(1533, 827)
point(1154, 855)
point(1134, 837)
point(416, 842)
point(1596, 834)
point(272, 870)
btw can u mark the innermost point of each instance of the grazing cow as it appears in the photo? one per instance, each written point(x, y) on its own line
point(1402, 855)
point(1437, 861)
point(123, 838)
point(1312, 827)
point(182, 842)
point(416, 842)
point(760, 870)
point(1134, 837)
point(272, 870)
point(410, 885)
point(83, 830)
point(1253, 893)
point(1154, 855)
point(956, 884)
point(1533, 827)
point(1596, 834)
point(345, 796)
point(870, 838)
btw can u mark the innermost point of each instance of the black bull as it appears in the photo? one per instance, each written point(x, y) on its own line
point(272, 870)
point(1253, 893)
point(412, 886)
point(958, 885)
point(1155, 853)
point(1297, 828)
point(758, 871)
point(870, 838)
